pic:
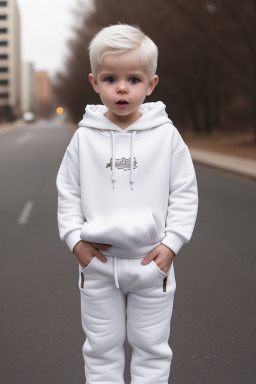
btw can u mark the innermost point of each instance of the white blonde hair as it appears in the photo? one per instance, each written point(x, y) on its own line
point(120, 38)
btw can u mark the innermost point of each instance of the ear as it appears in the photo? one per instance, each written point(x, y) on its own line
point(152, 84)
point(93, 82)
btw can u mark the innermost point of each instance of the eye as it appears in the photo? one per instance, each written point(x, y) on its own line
point(134, 80)
point(109, 79)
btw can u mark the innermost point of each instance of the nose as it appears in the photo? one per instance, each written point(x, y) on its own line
point(121, 87)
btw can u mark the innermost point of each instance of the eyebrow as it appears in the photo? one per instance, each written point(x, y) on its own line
point(135, 73)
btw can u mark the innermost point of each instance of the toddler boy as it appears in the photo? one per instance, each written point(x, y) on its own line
point(127, 202)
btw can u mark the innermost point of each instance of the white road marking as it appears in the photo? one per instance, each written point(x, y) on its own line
point(23, 139)
point(25, 212)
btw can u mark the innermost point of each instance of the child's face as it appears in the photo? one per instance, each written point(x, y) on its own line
point(122, 77)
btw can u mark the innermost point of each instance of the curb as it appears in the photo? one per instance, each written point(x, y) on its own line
point(234, 164)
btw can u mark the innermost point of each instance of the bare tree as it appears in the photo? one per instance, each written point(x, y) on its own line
point(206, 56)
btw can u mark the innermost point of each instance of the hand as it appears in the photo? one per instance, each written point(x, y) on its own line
point(85, 251)
point(162, 255)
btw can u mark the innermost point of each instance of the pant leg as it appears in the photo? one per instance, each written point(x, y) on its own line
point(149, 311)
point(103, 315)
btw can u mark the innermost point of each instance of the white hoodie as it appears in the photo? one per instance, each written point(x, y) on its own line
point(133, 188)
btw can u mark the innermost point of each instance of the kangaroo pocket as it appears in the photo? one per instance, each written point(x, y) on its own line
point(126, 230)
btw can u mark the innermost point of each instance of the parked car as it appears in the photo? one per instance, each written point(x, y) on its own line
point(28, 117)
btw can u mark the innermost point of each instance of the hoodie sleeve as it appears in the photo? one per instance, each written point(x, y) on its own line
point(70, 213)
point(183, 197)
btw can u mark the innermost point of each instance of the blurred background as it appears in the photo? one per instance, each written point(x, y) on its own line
point(207, 71)
point(207, 62)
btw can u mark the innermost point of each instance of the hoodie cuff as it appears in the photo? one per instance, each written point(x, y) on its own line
point(173, 241)
point(73, 238)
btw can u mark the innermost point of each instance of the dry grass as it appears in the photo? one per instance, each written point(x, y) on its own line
point(241, 145)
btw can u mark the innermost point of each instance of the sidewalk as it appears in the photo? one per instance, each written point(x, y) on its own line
point(235, 164)
point(13, 126)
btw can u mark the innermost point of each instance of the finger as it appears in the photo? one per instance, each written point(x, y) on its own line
point(100, 256)
point(150, 256)
point(100, 246)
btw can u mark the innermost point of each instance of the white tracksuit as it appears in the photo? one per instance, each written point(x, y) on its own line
point(133, 189)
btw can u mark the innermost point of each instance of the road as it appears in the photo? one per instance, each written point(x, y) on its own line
point(213, 325)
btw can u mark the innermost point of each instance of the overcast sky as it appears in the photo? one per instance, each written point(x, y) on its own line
point(46, 25)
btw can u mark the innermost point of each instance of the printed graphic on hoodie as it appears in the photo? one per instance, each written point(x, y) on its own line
point(123, 163)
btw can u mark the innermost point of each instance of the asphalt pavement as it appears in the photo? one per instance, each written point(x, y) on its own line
point(213, 325)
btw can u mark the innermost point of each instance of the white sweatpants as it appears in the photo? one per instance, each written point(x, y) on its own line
point(120, 296)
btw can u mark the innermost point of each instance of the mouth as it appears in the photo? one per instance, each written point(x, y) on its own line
point(122, 102)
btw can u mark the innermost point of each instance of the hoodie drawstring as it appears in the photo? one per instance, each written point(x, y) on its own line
point(132, 159)
point(115, 271)
point(114, 158)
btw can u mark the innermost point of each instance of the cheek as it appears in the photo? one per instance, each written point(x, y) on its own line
point(140, 93)
point(106, 92)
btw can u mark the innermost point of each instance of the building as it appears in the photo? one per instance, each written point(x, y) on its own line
point(44, 97)
point(10, 60)
point(27, 87)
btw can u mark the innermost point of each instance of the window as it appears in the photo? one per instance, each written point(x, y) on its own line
point(3, 57)
point(4, 82)
point(3, 30)
point(4, 95)
point(3, 3)
point(3, 69)
point(3, 43)
point(3, 17)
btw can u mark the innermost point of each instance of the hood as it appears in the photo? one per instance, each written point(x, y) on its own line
point(152, 115)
